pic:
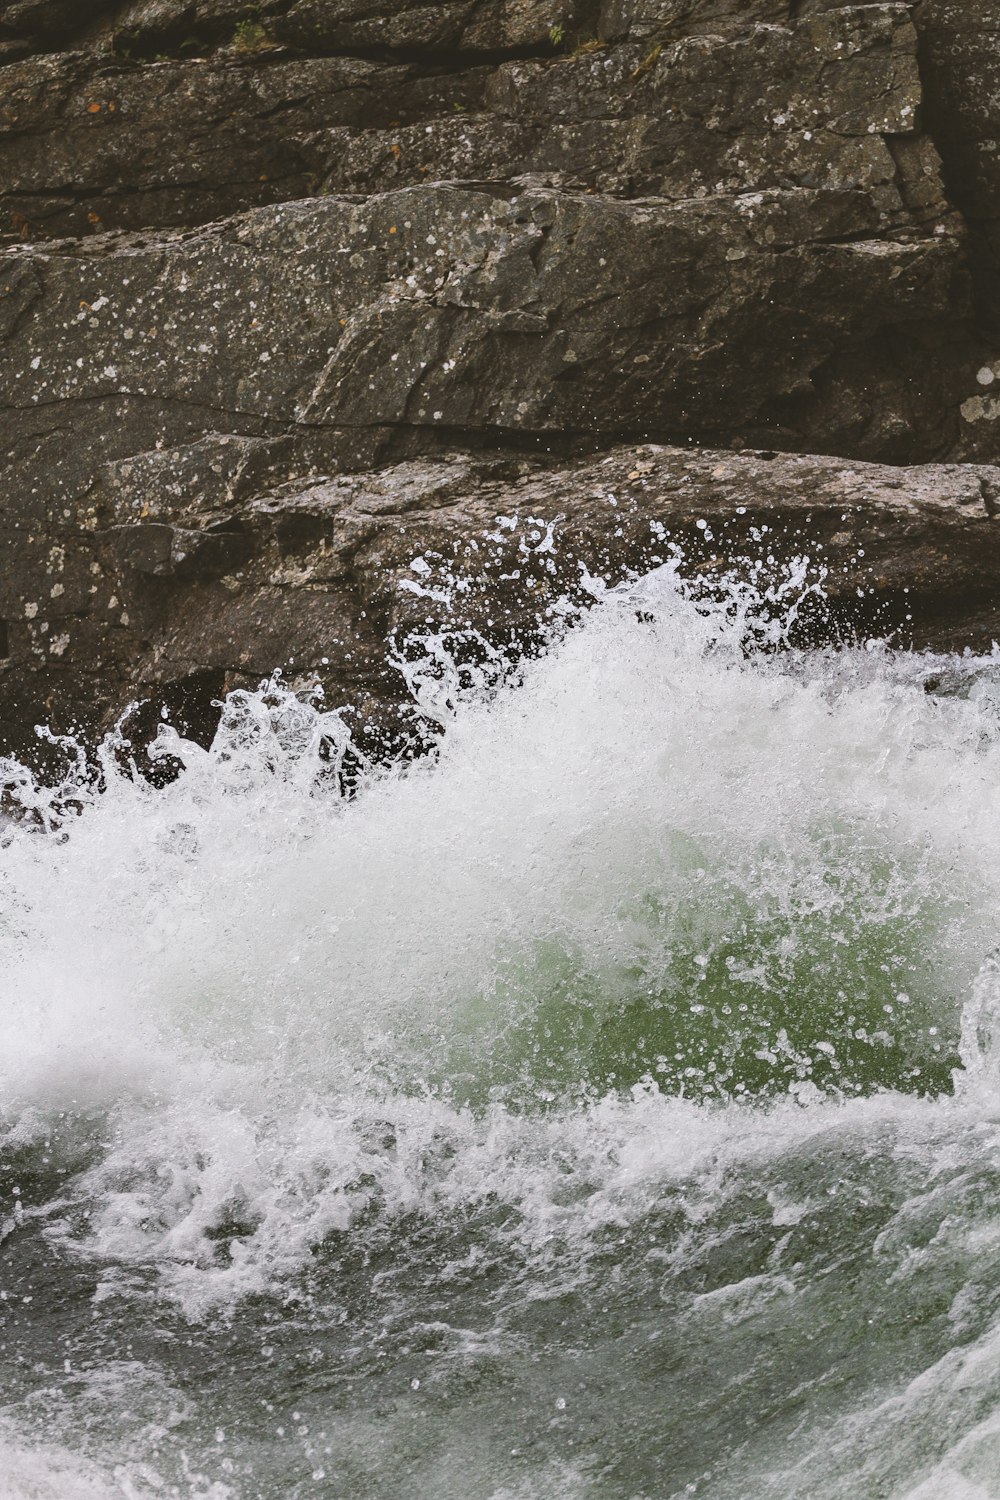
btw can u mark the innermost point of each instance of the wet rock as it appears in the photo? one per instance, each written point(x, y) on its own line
point(455, 24)
point(161, 551)
point(461, 308)
point(323, 575)
point(88, 144)
point(268, 271)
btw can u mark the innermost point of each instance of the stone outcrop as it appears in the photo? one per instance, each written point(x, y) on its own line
point(266, 266)
point(467, 308)
point(199, 573)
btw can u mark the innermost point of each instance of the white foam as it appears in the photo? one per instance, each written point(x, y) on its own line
point(37, 1473)
point(259, 981)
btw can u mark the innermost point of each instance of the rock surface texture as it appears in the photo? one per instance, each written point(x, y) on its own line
point(297, 299)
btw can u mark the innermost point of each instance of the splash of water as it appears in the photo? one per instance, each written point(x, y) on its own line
point(650, 923)
point(655, 861)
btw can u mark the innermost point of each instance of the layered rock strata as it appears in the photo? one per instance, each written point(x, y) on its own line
point(267, 266)
point(197, 572)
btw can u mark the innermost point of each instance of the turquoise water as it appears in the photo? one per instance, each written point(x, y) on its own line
point(605, 1106)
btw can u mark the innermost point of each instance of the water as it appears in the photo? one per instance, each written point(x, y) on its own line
point(606, 1107)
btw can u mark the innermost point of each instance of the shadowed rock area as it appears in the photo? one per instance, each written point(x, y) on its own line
point(296, 294)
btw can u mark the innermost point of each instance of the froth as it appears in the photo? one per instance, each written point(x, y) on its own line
point(652, 869)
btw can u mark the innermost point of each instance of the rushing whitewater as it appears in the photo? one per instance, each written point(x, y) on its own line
point(605, 1105)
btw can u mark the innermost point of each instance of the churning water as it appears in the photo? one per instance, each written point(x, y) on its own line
point(605, 1107)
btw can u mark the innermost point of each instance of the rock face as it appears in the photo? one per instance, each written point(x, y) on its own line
point(293, 294)
point(199, 573)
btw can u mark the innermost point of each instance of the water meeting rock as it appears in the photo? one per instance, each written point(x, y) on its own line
point(198, 568)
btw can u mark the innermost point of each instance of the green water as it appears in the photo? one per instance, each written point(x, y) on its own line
point(607, 1108)
point(823, 976)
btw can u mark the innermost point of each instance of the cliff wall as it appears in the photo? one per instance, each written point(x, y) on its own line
point(294, 297)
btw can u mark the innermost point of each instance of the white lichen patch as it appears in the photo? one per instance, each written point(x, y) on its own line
point(981, 409)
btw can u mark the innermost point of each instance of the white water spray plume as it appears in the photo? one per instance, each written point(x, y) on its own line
point(604, 1104)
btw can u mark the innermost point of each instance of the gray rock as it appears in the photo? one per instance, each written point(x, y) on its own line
point(961, 61)
point(329, 287)
point(213, 582)
point(454, 24)
point(452, 309)
point(90, 144)
point(830, 103)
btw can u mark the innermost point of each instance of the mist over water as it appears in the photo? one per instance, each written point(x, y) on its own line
point(605, 1105)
